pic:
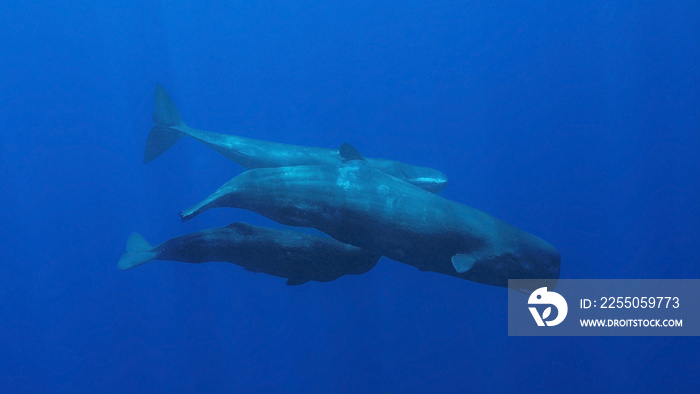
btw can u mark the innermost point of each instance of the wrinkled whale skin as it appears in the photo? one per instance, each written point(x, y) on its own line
point(359, 205)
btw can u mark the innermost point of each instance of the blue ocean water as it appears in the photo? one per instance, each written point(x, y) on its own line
point(576, 121)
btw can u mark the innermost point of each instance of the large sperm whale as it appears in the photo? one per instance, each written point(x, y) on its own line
point(251, 153)
point(296, 256)
point(359, 205)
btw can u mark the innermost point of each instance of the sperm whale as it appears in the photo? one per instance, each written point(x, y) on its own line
point(252, 153)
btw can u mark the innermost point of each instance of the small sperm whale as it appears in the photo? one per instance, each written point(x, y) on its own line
point(251, 153)
point(296, 256)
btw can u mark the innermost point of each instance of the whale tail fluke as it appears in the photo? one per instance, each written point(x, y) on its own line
point(159, 140)
point(167, 119)
point(212, 201)
point(193, 211)
point(219, 198)
point(165, 113)
point(138, 251)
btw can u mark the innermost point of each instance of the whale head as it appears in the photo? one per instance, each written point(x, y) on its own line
point(519, 255)
point(426, 178)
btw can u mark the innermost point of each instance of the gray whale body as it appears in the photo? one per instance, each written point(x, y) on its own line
point(293, 255)
point(251, 153)
point(359, 205)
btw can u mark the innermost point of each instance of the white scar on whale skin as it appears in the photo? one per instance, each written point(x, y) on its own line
point(347, 177)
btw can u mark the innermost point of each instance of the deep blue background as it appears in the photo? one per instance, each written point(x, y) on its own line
point(577, 121)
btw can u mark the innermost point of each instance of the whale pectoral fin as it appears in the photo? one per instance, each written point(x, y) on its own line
point(463, 262)
point(348, 153)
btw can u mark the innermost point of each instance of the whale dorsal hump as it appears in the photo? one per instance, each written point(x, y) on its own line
point(463, 262)
point(348, 153)
point(296, 280)
point(242, 228)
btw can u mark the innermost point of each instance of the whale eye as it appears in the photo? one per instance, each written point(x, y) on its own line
point(539, 296)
